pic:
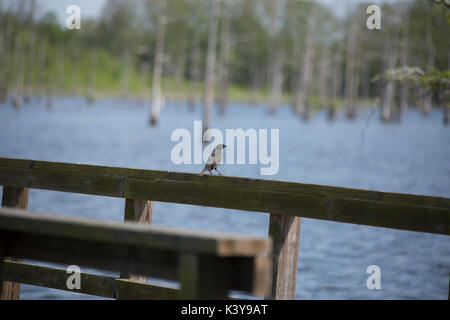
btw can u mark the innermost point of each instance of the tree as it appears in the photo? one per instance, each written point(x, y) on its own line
point(225, 55)
point(305, 68)
point(157, 99)
point(208, 95)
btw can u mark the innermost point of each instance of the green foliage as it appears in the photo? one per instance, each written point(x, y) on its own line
point(108, 55)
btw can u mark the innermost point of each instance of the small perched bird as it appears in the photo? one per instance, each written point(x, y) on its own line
point(214, 160)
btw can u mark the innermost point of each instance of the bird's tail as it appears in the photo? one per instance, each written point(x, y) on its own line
point(203, 172)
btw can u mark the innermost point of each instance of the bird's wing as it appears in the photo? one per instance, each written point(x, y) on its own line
point(211, 160)
point(218, 157)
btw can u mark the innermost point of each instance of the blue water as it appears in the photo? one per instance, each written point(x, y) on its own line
point(410, 157)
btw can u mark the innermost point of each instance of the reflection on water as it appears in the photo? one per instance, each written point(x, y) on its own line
point(410, 157)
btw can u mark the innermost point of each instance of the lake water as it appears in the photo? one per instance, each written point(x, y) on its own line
point(410, 157)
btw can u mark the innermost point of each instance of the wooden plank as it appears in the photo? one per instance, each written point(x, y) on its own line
point(116, 250)
point(93, 254)
point(128, 289)
point(189, 178)
point(246, 274)
point(14, 198)
point(57, 279)
point(285, 232)
point(313, 203)
point(204, 277)
point(131, 234)
point(374, 208)
point(140, 211)
point(2, 259)
point(96, 285)
point(249, 274)
point(91, 284)
point(66, 181)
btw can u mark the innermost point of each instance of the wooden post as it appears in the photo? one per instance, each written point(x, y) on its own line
point(203, 277)
point(140, 211)
point(2, 260)
point(15, 198)
point(285, 232)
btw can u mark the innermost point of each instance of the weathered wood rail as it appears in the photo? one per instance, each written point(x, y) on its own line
point(207, 265)
point(286, 202)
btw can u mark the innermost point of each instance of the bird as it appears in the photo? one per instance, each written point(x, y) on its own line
point(214, 160)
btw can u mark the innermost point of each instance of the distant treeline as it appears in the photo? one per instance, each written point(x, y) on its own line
point(286, 51)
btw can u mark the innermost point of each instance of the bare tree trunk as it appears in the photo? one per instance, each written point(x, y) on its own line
point(427, 100)
point(92, 76)
point(447, 102)
point(50, 90)
point(225, 53)
point(404, 89)
point(7, 56)
point(350, 71)
point(30, 66)
point(42, 57)
point(75, 74)
point(255, 82)
point(180, 66)
point(336, 84)
point(389, 87)
point(293, 74)
point(60, 71)
point(365, 83)
point(125, 78)
point(277, 81)
point(323, 80)
point(210, 64)
point(194, 72)
point(276, 53)
point(304, 72)
point(18, 71)
point(157, 99)
point(3, 66)
point(446, 113)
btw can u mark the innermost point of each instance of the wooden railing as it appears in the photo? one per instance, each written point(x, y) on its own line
point(207, 265)
point(286, 202)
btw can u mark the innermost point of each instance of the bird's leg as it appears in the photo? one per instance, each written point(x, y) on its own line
point(218, 171)
point(210, 172)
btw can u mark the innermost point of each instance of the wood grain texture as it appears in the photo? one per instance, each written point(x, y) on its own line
point(128, 247)
point(131, 234)
point(374, 208)
point(204, 277)
point(13, 197)
point(2, 259)
point(129, 289)
point(285, 232)
point(91, 284)
point(140, 211)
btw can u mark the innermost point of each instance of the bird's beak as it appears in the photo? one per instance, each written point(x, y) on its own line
point(224, 146)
